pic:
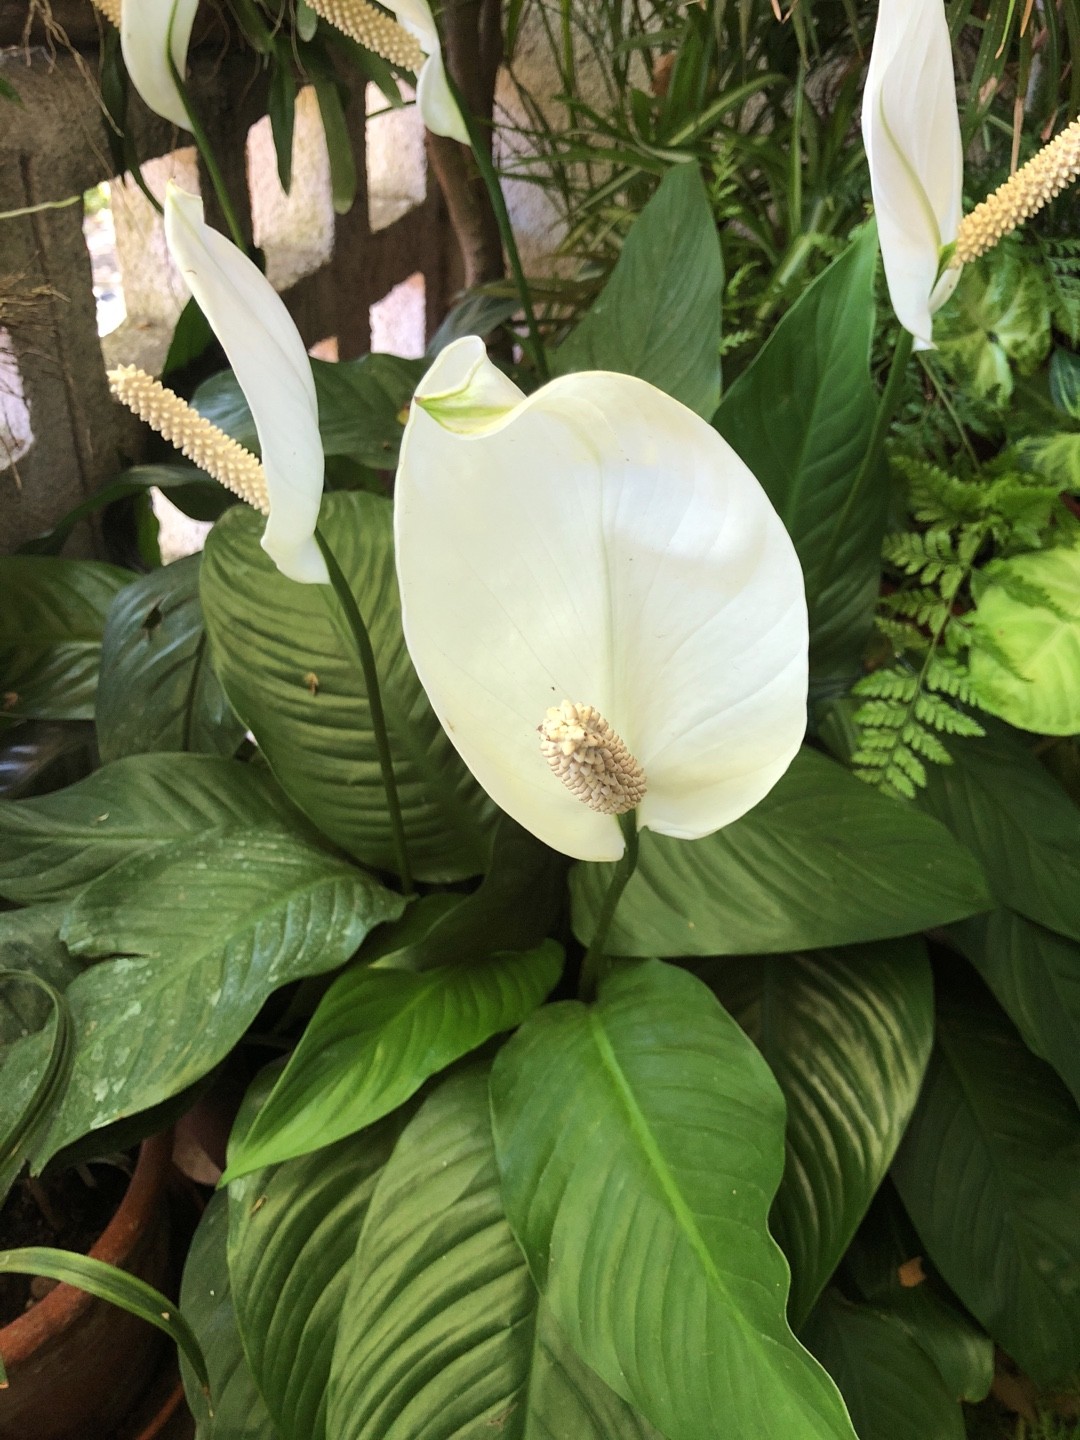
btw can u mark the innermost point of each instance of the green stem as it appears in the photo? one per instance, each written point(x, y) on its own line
point(206, 150)
point(624, 868)
point(364, 649)
point(506, 230)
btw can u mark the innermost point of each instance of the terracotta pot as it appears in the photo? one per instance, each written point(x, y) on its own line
point(76, 1365)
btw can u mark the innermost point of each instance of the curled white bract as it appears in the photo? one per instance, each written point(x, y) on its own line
point(267, 355)
point(152, 31)
point(437, 105)
point(597, 543)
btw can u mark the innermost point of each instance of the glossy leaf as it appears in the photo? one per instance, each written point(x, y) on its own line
point(1016, 820)
point(640, 1143)
point(800, 415)
point(822, 861)
point(156, 689)
point(989, 1172)
point(207, 929)
point(30, 942)
point(377, 1035)
point(54, 844)
point(847, 1034)
point(442, 1333)
point(658, 316)
point(290, 669)
point(889, 1383)
point(52, 613)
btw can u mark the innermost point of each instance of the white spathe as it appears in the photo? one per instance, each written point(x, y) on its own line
point(437, 106)
point(597, 542)
point(149, 31)
point(911, 130)
point(272, 368)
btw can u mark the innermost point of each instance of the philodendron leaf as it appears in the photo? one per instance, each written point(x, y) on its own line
point(847, 1034)
point(1016, 820)
point(289, 666)
point(822, 861)
point(640, 1143)
point(206, 929)
point(442, 1333)
point(156, 689)
point(377, 1035)
point(989, 1172)
point(889, 1383)
point(659, 314)
point(800, 415)
point(1035, 976)
point(52, 845)
point(52, 613)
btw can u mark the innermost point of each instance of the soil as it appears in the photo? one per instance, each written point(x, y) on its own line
point(68, 1210)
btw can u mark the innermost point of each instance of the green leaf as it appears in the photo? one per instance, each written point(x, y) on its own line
point(989, 1172)
point(640, 1143)
point(800, 416)
point(54, 844)
point(889, 1383)
point(290, 669)
point(207, 929)
point(281, 107)
point(847, 1034)
point(1035, 977)
point(30, 942)
point(822, 861)
point(52, 613)
point(442, 1334)
point(239, 1412)
point(377, 1035)
point(20, 1128)
point(191, 337)
point(999, 318)
point(659, 314)
point(156, 689)
point(1029, 671)
point(331, 94)
point(292, 1234)
point(1017, 821)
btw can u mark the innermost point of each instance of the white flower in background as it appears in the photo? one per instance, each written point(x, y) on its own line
point(911, 130)
point(600, 601)
point(149, 31)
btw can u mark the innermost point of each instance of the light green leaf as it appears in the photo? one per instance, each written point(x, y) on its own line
point(52, 613)
point(847, 1034)
point(54, 844)
point(822, 861)
point(1018, 823)
point(206, 929)
point(156, 690)
point(890, 1384)
point(442, 1336)
point(640, 1143)
point(989, 1172)
point(1039, 686)
point(800, 416)
point(290, 669)
point(999, 318)
point(377, 1035)
point(659, 314)
point(1035, 976)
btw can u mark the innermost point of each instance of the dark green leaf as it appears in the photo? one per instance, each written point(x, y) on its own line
point(800, 416)
point(659, 314)
point(20, 1129)
point(281, 107)
point(640, 1143)
point(847, 1033)
point(989, 1172)
point(30, 941)
point(822, 861)
point(189, 489)
point(156, 689)
point(191, 337)
point(339, 150)
point(290, 669)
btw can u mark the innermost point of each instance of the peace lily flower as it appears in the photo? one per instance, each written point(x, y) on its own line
point(266, 353)
point(411, 40)
point(151, 31)
point(600, 601)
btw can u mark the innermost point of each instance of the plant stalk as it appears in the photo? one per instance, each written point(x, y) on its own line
point(592, 964)
point(206, 150)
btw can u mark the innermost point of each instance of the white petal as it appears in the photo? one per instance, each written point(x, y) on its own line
point(145, 39)
point(601, 543)
point(437, 106)
point(266, 352)
point(911, 130)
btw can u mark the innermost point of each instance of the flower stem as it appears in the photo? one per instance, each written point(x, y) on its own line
point(592, 964)
point(364, 649)
point(506, 230)
point(206, 150)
